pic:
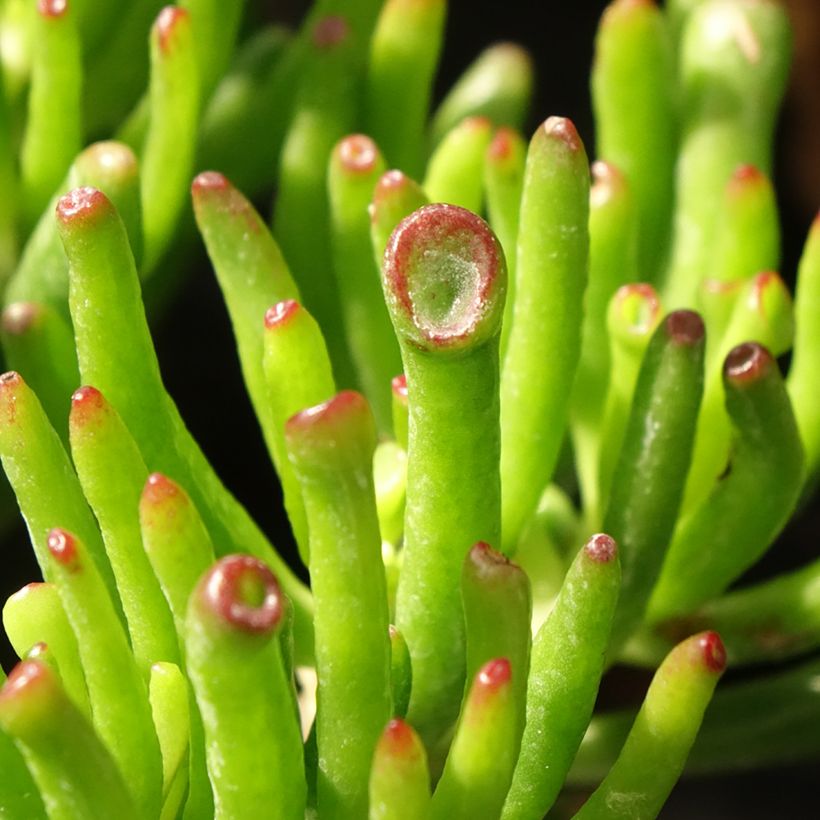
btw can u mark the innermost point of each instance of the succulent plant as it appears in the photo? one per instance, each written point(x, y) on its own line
point(527, 416)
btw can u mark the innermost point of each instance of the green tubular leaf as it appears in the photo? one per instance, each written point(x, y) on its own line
point(444, 280)
point(633, 92)
point(168, 695)
point(116, 689)
point(215, 26)
point(565, 669)
point(747, 236)
point(35, 613)
point(551, 273)
point(777, 619)
point(746, 509)
point(252, 275)
point(395, 196)
point(116, 355)
point(612, 263)
point(10, 184)
point(390, 478)
point(175, 541)
point(454, 172)
point(806, 359)
point(734, 63)
point(783, 703)
point(498, 84)
point(112, 474)
point(53, 133)
point(762, 313)
point(401, 675)
point(647, 489)
point(331, 448)
point(42, 275)
point(297, 375)
point(398, 386)
point(38, 342)
point(19, 795)
point(633, 314)
point(170, 143)
point(246, 102)
point(404, 53)
point(399, 779)
point(253, 744)
point(658, 744)
point(355, 167)
point(42, 477)
point(504, 164)
point(75, 774)
point(480, 763)
point(497, 616)
point(324, 111)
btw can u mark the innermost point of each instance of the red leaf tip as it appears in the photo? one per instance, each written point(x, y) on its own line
point(494, 674)
point(563, 129)
point(244, 593)
point(607, 180)
point(714, 652)
point(444, 278)
point(685, 327)
point(159, 488)
point(81, 203)
point(601, 548)
point(19, 317)
point(746, 174)
point(399, 386)
point(343, 405)
point(23, 677)
point(87, 396)
point(209, 181)
point(330, 31)
point(638, 305)
point(167, 21)
point(482, 553)
point(63, 546)
point(11, 378)
point(502, 145)
point(358, 153)
point(52, 8)
point(398, 735)
point(281, 313)
point(748, 362)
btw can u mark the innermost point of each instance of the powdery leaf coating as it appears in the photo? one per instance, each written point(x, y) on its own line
point(243, 593)
point(444, 278)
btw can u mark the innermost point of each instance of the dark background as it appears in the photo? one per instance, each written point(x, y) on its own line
point(199, 366)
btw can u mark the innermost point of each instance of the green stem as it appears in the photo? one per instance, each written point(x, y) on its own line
point(444, 281)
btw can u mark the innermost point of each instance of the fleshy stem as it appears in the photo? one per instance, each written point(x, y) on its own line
point(551, 274)
point(444, 280)
point(331, 449)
